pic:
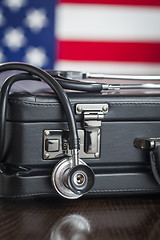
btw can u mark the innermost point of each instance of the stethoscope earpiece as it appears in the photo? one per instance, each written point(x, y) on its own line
point(72, 181)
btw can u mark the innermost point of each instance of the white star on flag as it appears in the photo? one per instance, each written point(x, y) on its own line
point(2, 57)
point(14, 5)
point(36, 56)
point(2, 18)
point(14, 38)
point(27, 31)
point(36, 20)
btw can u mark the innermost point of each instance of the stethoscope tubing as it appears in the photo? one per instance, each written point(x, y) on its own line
point(75, 75)
point(68, 81)
point(121, 77)
point(54, 85)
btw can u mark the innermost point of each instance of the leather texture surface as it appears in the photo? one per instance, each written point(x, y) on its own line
point(47, 108)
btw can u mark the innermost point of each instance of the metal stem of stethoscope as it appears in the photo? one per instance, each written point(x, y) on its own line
point(130, 86)
point(88, 75)
point(76, 75)
point(71, 79)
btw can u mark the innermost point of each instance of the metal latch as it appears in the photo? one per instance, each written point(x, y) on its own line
point(56, 142)
point(93, 114)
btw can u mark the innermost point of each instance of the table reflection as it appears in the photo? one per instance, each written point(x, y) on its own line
point(83, 219)
point(72, 227)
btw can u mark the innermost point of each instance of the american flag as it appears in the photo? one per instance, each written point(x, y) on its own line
point(110, 36)
point(27, 31)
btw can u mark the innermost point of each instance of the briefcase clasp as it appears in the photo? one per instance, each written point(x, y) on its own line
point(56, 142)
point(93, 114)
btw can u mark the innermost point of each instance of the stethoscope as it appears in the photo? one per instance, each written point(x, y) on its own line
point(71, 177)
point(75, 80)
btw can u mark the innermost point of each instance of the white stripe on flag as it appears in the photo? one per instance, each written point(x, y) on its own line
point(109, 67)
point(107, 22)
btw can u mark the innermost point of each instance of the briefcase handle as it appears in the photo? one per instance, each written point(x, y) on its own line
point(153, 145)
point(155, 162)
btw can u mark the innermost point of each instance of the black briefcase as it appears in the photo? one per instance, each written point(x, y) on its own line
point(119, 141)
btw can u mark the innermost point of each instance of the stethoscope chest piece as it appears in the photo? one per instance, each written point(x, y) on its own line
point(72, 182)
point(80, 179)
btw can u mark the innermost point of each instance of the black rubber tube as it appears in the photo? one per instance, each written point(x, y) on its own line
point(88, 87)
point(77, 85)
point(3, 105)
point(74, 142)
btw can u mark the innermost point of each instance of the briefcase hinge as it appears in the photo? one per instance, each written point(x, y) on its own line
point(93, 114)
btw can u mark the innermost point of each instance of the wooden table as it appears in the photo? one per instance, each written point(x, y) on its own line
point(82, 219)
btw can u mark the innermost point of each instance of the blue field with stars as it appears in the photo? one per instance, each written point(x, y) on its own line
point(27, 32)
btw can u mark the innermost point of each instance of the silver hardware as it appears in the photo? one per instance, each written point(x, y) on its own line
point(82, 152)
point(50, 138)
point(79, 178)
point(79, 109)
point(46, 155)
point(56, 142)
point(46, 132)
point(80, 76)
point(74, 153)
point(92, 138)
point(59, 176)
point(96, 155)
point(130, 86)
point(100, 107)
point(76, 75)
point(93, 114)
point(105, 108)
point(63, 137)
point(120, 77)
point(52, 145)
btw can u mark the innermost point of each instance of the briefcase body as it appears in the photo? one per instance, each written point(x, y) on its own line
point(118, 136)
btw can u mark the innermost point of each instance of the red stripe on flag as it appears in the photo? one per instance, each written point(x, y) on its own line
point(109, 51)
point(118, 2)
